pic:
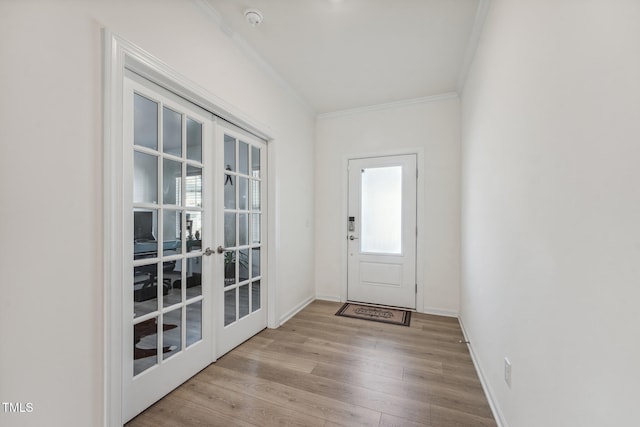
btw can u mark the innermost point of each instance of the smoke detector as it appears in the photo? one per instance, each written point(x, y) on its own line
point(253, 17)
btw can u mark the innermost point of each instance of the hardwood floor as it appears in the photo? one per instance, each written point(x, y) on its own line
point(323, 370)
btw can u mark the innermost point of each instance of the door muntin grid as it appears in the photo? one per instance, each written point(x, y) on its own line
point(168, 217)
point(242, 228)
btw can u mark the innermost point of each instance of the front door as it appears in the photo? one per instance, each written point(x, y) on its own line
point(168, 198)
point(381, 228)
point(241, 289)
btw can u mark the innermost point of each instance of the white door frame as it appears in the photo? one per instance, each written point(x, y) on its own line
point(118, 55)
point(420, 218)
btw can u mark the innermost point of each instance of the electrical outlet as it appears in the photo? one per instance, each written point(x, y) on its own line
point(507, 372)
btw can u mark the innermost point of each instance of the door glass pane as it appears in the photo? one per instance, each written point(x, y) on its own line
point(229, 268)
point(193, 186)
point(171, 132)
point(255, 229)
point(145, 178)
point(243, 265)
point(229, 306)
point(255, 262)
point(172, 243)
point(255, 162)
point(145, 289)
point(255, 296)
point(145, 345)
point(145, 230)
point(194, 277)
point(171, 333)
point(255, 195)
point(229, 153)
point(243, 195)
point(171, 286)
point(194, 323)
point(243, 301)
point(229, 229)
point(194, 140)
point(229, 192)
point(194, 231)
point(243, 158)
point(243, 229)
point(171, 182)
point(145, 122)
point(382, 210)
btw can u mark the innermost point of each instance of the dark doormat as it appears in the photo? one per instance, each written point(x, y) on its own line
point(395, 316)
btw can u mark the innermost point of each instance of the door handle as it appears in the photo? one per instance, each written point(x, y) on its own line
point(208, 252)
point(352, 237)
point(220, 249)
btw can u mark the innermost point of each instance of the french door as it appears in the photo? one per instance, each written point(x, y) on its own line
point(168, 326)
point(381, 221)
point(241, 291)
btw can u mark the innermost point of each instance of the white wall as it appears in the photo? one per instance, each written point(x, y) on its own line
point(433, 128)
point(551, 207)
point(51, 303)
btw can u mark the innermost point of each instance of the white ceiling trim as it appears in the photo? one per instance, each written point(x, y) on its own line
point(472, 45)
point(389, 105)
point(246, 48)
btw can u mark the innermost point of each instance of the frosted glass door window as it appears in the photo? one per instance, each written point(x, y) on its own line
point(382, 210)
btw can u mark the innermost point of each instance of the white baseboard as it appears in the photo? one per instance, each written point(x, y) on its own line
point(493, 404)
point(331, 298)
point(439, 312)
point(296, 310)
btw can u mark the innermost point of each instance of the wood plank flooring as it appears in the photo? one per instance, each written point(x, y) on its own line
point(323, 370)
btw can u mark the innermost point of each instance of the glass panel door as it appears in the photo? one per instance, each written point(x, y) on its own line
point(168, 331)
point(242, 284)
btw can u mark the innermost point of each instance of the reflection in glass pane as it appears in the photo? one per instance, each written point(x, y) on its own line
point(255, 229)
point(229, 229)
point(171, 132)
point(229, 268)
point(255, 296)
point(243, 196)
point(145, 230)
point(171, 182)
point(194, 140)
point(194, 277)
point(243, 265)
point(255, 195)
point(145, 122)
point(229, 307)
point(243, 301)
point(243, 229)
point(193, 186)
point(382, 210)
point(171, 333)
point(194, 323)
point(229, 192)
point(255, 262)
point(145, 345)
point(145, 289)
point(194, 231)
point(172, 243)
point(145, 178)
point(255, 162)
point(229, 153)
point(243, 158)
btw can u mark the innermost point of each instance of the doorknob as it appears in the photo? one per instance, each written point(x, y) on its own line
point(208, 252)
point(352, 237)
point(220, 249)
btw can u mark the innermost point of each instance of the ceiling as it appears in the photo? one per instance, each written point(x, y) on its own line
point(345, 54)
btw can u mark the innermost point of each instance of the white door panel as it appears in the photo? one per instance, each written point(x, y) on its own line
point(382, 231)
point(167, 324)
point(241, 286)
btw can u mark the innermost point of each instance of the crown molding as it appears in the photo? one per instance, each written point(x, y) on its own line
point(251, 53)
point(389, 105)
point(472, 45)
